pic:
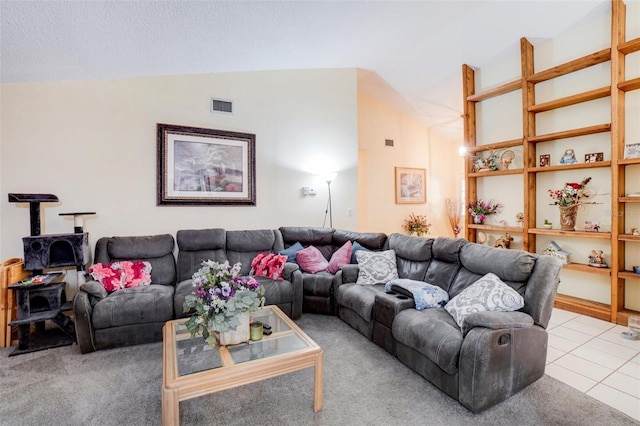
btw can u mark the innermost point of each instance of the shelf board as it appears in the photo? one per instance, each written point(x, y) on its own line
point(586, 268)
point(590, 130)
point(629, 85)
point(511, 86)
point(628, 275)
point(580, 234)
point(629, 161)
point(629, 46)
point(629, 199)
point(629, 237)
point(583, 306)
point(570, 167)
point(571, 66)
point(497, 173)
point(513, 229)
point(497, 145)
point(572, 100)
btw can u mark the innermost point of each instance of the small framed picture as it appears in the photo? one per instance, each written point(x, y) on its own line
point(632, 150)
point(545, 160)
point(593, 157)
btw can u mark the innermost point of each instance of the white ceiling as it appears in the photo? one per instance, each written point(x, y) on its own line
point(415, 47)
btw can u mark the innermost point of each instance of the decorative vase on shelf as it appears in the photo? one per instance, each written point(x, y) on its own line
point(239, 335)
point(568, 217)
point(478, 220)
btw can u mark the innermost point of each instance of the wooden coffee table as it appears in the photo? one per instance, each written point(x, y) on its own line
point(191, 368)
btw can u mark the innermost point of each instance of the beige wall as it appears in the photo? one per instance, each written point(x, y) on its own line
point(93, 144)
point(414, 146)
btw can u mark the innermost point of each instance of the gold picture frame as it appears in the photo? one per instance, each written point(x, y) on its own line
point(411, 185)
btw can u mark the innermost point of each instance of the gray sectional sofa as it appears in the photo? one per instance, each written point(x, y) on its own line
point(486, 359)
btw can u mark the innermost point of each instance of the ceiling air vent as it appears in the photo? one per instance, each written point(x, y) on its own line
point(221, 105)
point(388, 142)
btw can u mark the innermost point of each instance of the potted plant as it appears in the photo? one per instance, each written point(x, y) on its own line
point(222, 302)
point(416, 225)
point(547, 224)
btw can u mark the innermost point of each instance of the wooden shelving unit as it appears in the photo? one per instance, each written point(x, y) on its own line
point(620, 47)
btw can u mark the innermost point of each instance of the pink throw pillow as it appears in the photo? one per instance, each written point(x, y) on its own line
point(268, 265)
point(342, 256)
point(311, 260)
point(118, 275)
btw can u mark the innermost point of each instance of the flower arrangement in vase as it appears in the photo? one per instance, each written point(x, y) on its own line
point(480, 209)
point(568, 199)
point(222, 300)
point(416, 224)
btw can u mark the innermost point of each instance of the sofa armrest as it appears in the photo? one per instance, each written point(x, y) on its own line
point(349, 273)
point(288, 270)
point(82, 313)
point(496, 321)
point(95, 291)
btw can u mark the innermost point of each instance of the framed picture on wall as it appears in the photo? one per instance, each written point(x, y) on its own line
point(199, 166)
point(411, 185)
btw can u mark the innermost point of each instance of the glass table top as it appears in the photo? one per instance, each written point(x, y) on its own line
point(193, 355)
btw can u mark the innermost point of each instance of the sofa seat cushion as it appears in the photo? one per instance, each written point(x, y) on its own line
point(319, 284)
point(137, 305)
point(276, 292)
point(359, 298)
point(433, 333)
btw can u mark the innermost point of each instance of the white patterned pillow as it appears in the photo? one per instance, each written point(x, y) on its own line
point(489, 293)
point(376, 266)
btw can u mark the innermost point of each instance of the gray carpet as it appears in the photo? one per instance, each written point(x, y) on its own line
point(363, 385)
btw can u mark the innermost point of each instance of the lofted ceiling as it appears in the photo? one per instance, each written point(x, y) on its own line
point(409, 52)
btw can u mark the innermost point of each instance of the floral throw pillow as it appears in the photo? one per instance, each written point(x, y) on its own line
point(376, 266)
point(268, 265)
point(124, 274)
point(489, 293)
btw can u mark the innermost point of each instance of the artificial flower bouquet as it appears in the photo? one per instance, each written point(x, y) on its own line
point(219, 296)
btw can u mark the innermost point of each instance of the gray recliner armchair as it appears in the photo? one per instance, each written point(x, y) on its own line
point(132, 315)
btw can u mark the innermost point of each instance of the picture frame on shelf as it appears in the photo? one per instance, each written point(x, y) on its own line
point(411, 185)
point(632, 150)
point(204, 167)
point(545, 160)
point(594, 157)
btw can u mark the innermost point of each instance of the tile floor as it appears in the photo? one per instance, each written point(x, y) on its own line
point(591, 356)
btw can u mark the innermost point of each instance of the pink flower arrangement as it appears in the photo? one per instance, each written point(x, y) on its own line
point(482, 208)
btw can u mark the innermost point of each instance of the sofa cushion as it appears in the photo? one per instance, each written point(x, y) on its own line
point(291, 252)
point(340, 257)
point(138, 305)
point(376, 267)
point(433, 333)
point(311, 260)
point(508, 265)
point(489, 293)
point(276, 292)
point(359, 299)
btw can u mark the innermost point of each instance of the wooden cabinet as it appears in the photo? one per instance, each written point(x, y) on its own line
point(614, 166)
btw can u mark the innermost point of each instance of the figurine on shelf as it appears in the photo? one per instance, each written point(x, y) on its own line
point(520, 219)
point(635, 231)
point(597, 259)
point(569, 157)
point(591, 226)
point(504, 241)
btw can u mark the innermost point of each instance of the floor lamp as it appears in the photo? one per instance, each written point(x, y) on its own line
point(329, 211)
